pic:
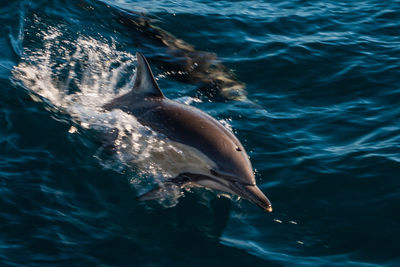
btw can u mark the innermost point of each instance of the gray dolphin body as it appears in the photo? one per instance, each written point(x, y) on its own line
point(227, 166)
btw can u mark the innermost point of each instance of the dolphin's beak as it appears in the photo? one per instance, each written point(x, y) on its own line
point(254, 194)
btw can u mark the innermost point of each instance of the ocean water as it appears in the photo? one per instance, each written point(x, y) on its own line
point(321, 127)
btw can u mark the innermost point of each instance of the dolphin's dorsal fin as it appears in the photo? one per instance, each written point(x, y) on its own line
point(145, 83)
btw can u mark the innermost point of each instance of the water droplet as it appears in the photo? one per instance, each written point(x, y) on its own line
point(72, 130)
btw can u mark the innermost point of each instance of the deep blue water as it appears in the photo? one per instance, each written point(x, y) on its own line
point(322, 129)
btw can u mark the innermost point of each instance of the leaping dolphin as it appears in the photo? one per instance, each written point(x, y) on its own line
point(226, 165)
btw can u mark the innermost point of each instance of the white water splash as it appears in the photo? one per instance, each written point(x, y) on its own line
point(78, 77)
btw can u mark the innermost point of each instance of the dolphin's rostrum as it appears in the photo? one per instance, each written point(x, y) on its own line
point(226, 164)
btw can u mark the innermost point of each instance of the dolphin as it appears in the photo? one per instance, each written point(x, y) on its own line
point(182, 61)
point(175, 57)
point(225, 164)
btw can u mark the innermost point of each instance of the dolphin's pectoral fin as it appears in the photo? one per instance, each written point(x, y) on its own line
point(156, 193)
point(159, 191)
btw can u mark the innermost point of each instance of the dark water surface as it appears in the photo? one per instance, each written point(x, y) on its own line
point(322, 131)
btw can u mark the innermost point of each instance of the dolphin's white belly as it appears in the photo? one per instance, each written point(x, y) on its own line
point(175, 158)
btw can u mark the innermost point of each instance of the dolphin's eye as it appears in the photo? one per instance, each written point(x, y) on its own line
point(214, 172)
point(238, 149)
point(223, 175)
